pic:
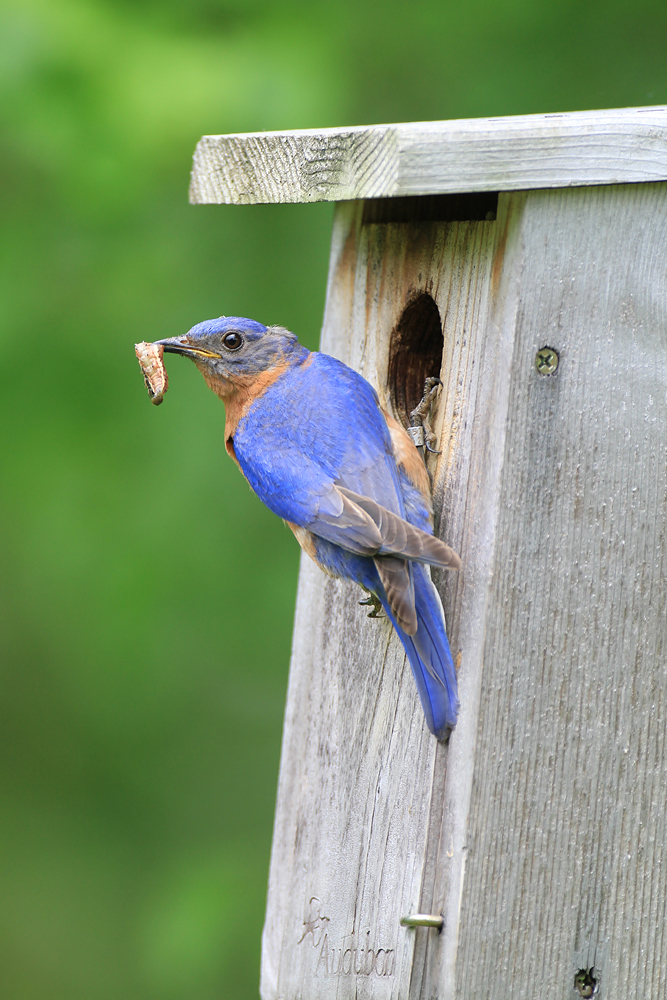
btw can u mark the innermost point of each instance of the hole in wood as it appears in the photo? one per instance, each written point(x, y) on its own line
point(585, 983)
point(415, 354)
point(480, 206)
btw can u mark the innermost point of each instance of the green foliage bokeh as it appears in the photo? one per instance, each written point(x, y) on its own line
point(146, 595)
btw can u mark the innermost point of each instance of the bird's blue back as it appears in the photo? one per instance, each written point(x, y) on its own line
point(320, 423)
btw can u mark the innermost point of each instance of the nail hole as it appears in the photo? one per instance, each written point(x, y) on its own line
point(415, 354)
point(584, 983)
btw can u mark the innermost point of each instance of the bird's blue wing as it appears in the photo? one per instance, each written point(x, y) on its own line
point(317, 427)
point(316, 449)
point(310, 445)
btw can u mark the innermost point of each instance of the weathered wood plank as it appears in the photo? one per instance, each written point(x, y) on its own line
point(352, 819)
point(419, 158)
point(466, 492)
point(561, 864)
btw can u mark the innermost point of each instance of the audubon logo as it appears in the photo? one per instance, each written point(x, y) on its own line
point(351, 955)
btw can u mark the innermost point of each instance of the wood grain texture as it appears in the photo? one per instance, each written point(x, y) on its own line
point(540, 830)
point(567, 830)
point(352, 828)
point(421, 158)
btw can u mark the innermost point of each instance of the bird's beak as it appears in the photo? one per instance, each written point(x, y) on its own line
point(178, 345)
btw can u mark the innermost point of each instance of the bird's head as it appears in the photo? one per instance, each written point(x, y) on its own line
point(232, 351)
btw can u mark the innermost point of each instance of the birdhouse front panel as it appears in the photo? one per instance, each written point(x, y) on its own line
point(355, 838)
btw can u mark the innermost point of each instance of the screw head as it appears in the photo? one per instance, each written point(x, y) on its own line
point(546, 361)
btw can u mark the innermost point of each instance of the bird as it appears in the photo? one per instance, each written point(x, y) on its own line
point(313, 441)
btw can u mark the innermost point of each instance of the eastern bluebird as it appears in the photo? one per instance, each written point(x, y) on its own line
point(311, 438)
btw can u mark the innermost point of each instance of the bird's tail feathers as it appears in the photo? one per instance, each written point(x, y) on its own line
point(430, 656)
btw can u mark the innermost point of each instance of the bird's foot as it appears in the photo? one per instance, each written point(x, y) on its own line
point(420, 428)
point(374, 602)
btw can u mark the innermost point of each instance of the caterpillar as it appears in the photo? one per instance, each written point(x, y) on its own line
point(152, 368)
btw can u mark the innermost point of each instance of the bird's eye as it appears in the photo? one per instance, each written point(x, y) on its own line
point(233, 341)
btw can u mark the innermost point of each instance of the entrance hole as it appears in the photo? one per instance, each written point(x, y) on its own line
point(415, 354)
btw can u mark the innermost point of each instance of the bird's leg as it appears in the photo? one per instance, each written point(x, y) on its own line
point(374, 602)
point(420, 428)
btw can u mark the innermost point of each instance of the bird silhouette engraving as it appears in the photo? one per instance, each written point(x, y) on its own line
point(312, 440)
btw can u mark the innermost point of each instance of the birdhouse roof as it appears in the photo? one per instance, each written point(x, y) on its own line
point(426, 158)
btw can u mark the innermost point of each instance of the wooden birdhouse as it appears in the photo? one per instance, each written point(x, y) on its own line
point(524, 262)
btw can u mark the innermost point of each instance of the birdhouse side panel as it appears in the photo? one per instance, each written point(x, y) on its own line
point(567, 832)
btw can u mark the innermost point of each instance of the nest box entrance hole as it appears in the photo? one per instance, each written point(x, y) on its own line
point(415, 354)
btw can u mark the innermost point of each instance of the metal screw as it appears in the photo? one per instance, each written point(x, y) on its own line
point(546, 361)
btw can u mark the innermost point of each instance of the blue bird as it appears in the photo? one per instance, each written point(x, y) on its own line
point(311, 438)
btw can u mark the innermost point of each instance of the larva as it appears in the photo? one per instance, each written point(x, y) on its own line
point(153, 370)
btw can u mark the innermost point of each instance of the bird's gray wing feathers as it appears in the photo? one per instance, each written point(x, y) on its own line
point(397, 536)
point(361, 525)
point(365, 527)
point(396, 576)
point(345, 523)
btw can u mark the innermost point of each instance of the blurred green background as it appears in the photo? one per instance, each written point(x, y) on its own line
point(146, 595)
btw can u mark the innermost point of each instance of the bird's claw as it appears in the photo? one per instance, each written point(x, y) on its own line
point(431, 387)
point(421, 431)
point(374, 602)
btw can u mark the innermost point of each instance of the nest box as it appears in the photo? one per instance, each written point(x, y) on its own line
point(524, 262)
